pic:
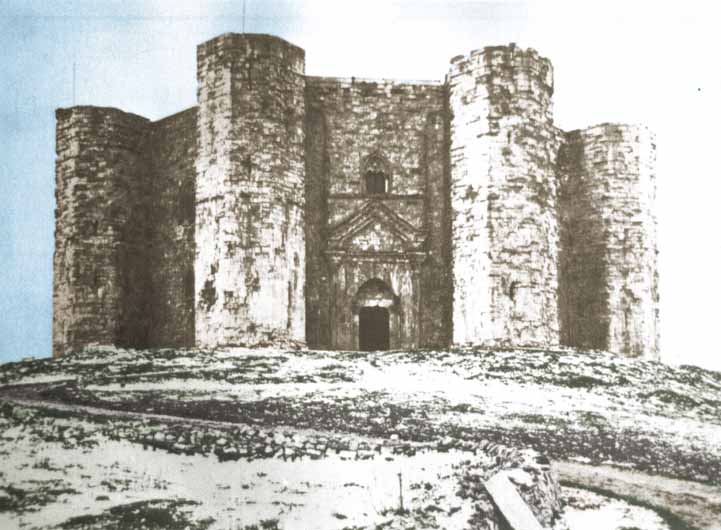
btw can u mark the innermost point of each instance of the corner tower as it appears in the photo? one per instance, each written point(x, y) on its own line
point(608, 261)
point(99, 282)
point(250, 196)
point(503, 198)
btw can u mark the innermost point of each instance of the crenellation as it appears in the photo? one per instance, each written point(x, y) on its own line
point(351, 213)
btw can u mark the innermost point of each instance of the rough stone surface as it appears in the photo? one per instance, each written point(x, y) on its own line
point(609, 289)
point(503, 193)
point(283, 205)
point(250, 201)
point(398, 237)
point(173, 143)
point(527, 470)
point(125, 228)
point(100, 229)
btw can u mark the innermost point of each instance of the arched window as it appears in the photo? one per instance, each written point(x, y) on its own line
point(376, 175)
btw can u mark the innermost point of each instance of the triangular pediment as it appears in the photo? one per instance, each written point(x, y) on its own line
point(375, 228)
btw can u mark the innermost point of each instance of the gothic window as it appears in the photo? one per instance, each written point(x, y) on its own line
point(376, 175)
point(376, 182)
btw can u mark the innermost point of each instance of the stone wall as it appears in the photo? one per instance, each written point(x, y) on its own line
point(397, 237)
point(194, 230)
point(317, 301)
point(436, 279)
point(250, 202)
point(172, 148)
point(503, 196)
point(608, 266)
point(101, 229)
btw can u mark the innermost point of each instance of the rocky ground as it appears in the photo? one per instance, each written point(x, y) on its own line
point(266, 438)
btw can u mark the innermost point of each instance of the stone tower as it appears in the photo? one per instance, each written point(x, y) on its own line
point(608, 266)
point(250, 192)
point(100, 228)
point(354, 213)
point(503, 197)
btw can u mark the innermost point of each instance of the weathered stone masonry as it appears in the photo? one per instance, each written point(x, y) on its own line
point(503, 193)
point(250, 192)
point(396, 237)
point(101, 219)
point(609, 288)
point(284, 206)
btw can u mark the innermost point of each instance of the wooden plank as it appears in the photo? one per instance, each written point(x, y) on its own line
point(510, 503)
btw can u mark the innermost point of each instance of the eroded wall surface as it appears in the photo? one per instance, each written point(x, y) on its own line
point(608, 262)
point(172, 149)
point(503, 197)
point(100, 283)
point(355, 236)
point(250, 192)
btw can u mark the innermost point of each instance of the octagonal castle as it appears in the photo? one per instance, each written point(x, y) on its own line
point(354, 214)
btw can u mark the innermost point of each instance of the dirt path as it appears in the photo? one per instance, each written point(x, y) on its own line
point(696, 505)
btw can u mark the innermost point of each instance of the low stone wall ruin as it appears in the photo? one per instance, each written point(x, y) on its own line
point(529, 471)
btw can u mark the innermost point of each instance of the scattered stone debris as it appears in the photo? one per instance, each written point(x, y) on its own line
point(472, 412)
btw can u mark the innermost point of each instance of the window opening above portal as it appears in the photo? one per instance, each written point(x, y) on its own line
point(376, 182)
point(376, 176)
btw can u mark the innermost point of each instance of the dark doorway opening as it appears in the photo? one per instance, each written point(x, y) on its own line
point(373, 329)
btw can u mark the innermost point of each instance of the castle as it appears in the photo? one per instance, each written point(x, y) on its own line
point(354, 214)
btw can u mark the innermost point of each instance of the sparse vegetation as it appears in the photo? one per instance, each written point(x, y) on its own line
point(246, 406)
point(149, 515)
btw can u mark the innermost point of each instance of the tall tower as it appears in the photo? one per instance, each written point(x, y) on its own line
point(608, 267)
point(250, 196)
point(503, 198)
point(99, 284)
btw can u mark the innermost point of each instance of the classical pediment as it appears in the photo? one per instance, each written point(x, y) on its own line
point(375, 228)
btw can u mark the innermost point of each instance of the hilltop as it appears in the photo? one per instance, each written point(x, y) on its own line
point(606, 423)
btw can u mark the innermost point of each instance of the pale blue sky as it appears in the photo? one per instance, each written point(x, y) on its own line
point(649, 62)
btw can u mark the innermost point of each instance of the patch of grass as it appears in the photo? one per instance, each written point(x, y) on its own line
point(461, 407)
point(593, 420)
point(582, 381)
point(19, 500)
point(538, 419)
point(149, 515)
point(666, 395)
point(266, 524)
point(6, 504)
point(45, 464)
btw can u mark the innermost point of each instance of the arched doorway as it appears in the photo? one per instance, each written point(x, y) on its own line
point(375, 308)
